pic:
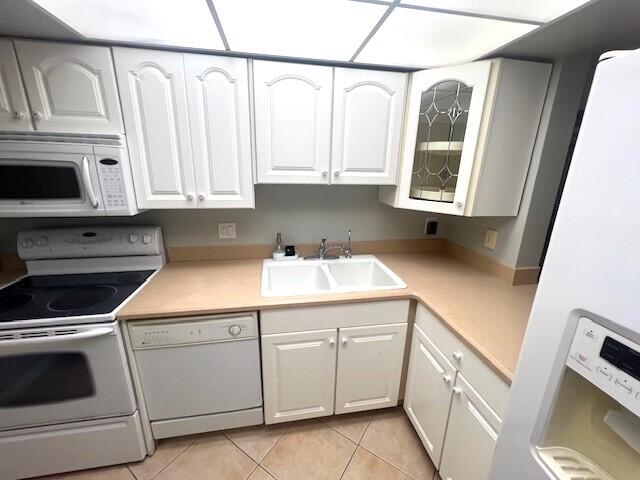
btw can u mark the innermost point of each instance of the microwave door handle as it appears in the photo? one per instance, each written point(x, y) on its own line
point(86, 180)
point(22, 344)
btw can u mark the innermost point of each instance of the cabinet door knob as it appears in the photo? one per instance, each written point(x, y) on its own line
point(17, 114)
point(36, 115)
point(459, 204)
point(336, 173)
point(457, 356)
point(189, 196)
point(457, 391)
point(446, 378)
point(345, 341)
point(324, 173)
point(332, 342)
point(201, 196)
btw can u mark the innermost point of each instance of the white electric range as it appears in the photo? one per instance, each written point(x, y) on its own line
point(66, 396)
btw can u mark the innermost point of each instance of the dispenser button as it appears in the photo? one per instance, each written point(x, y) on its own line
point(146, 238)
point(623, 385)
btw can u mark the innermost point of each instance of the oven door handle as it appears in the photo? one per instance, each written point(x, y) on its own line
point(26, 343)
point(86, 181)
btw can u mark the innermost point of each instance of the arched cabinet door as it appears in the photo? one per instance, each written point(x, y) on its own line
point(444, 117)
point(71, 88)
point(218, 95)
point(368, 107)
point(14, 110)
point(293, 122)
point(154, 103)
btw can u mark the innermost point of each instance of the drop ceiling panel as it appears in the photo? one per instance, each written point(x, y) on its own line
point(420, 38)
point(535, 10)
point(184, 23)
point(317, 29)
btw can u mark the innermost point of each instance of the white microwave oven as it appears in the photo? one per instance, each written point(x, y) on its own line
point(65, 176)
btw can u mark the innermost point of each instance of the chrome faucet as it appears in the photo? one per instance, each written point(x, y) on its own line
point(323, 249)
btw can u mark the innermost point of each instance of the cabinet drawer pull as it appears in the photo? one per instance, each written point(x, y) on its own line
point(457, 391)
point(447, 379)
point(457, 356)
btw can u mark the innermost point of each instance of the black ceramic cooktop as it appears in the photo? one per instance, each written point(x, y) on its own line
point(68, 295)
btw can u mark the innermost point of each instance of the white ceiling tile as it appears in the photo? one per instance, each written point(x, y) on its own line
point(534, 10)
point(187, 23)
point(318, 29)
point(419, 38)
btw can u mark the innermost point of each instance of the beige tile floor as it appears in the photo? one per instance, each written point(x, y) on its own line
point(379, 445)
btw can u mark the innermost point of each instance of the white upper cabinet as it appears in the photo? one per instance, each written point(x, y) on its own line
point(154, 103)
point(218, 94)
point(471, 436)
point(368, 108)
point(469, 137)
point(14, 110)
point(369, 367)
point(293, 122)
point(71, 88)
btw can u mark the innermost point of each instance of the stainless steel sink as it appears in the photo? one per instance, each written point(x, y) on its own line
point(360, 273)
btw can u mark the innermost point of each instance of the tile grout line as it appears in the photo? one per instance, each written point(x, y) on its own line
point(173, 460)
point(389, 463)
point(353, 454)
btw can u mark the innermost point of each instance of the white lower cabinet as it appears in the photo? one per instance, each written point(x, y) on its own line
point(351, 362)
point(454, 401)
point(428, 395)
point(368, 359)
point(300, 368)
point(471, 435)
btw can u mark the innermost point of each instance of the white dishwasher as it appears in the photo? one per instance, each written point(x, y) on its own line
point(199, 374)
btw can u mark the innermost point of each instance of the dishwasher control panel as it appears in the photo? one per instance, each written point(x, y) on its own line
point(194, 330)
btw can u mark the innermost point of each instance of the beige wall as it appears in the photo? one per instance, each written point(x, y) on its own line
point(302, 213)
point(521, 239)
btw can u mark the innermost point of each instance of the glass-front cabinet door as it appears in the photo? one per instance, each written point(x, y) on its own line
point(443, 124)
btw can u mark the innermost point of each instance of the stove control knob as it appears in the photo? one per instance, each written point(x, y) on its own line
point(234, 330)
point(133, 238)
point(146, 238)
point(27, 242)
point(42, 241)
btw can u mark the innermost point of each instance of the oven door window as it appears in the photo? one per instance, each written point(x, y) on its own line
point(39, 182)
point(44, 378)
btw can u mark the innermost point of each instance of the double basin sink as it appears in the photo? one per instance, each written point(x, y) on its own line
point(360, 273)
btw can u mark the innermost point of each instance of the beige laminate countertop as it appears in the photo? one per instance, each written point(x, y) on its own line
point(486, 313)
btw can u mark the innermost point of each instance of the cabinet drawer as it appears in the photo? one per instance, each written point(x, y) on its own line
point(333, 316)
point(486, 382)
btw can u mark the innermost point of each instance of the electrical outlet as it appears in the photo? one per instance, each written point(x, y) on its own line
point(226, 230)
point(490, 239)
point(430, 226)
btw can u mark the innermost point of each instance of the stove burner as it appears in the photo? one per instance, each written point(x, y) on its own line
point(9, 302)
point(82, 298)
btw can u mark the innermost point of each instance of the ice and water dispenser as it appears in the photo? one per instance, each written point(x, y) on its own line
point(593, 430)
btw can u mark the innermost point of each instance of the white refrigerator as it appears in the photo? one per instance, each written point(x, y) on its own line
point(575, 400)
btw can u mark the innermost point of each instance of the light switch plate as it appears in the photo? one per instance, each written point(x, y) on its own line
point(226, 230)
point(490, 239)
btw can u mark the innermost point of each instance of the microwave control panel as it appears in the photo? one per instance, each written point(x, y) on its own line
point(608, 360)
